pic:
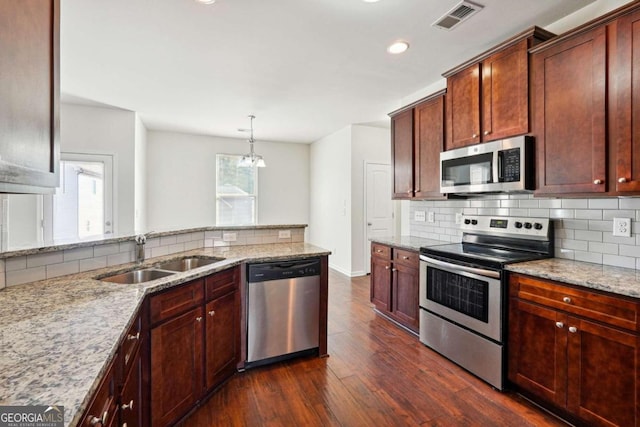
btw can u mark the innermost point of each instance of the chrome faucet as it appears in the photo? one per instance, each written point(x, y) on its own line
point(141, 239)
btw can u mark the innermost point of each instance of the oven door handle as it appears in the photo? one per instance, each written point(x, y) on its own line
point(479, 271)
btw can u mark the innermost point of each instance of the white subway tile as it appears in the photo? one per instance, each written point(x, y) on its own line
point(619, 261)
point(208, 243)
point(194, 244)
point(575, 203)
point(605, 248)
point(518, 212)
point(539, 213)
point(197, 235)
point(575, 224)
point(565, 233)
point(594, 236)
point(550, 203)
point(603, 203)
point(178, 247)
point(562, 213)
point(168, 240)
point(601, 225)
point(1, 265)
point(212, 234)
point(529, 203)
point(159, 251)
point(610, 214)
point(27, 275)
point(152, 243)
point(564, 253)
point(588, 257)
point(127, 247)
point(78, 253)
point(3, 280)
point(38, 260)
point(633, 203)
point(254, 240)
point(17, 263)
point(62, 269)
point(120, 258)
point(220, 243)
point(589, 214)
point(102, 250)
point(576, 245)
point(93, 263)
point(509, 204)
point(628, 250)
point(610, 238)
point(184, 237)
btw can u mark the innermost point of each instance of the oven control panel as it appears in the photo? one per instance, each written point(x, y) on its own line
point(521, 226)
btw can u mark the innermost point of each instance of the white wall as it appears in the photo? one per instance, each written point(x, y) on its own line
point(96, 130)
point(368, 144)
point(330, 204)
point(181, 179)
point(140, 185)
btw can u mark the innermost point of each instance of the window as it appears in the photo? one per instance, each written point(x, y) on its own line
point(236, 191)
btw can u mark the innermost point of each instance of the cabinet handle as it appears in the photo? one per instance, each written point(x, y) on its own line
point(567, 300)
point(94, 421)
point(622, 180)
point(133, 337)
point(573, 329)
point(486, 132)
point(127, 406)
point(560, 325)
point(212, 312)
point(199, 318)
point(597, 181)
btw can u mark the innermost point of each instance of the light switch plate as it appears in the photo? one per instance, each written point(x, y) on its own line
point(622, 227)
point(431, 217)
point(284, 234)
point(419, 216)
point(229, 237)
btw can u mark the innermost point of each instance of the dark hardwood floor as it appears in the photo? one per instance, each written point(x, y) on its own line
point(377, 374)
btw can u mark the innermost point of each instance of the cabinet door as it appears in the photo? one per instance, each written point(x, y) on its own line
point(463, 108)
point(505, 93)
point(405, 295)
point(428, 119)
point(402, 154)
point(627, 112)
point(176, 367)
point(603, 374)
point(537, 351)
point(569, 114)
point(30, 94)
point(131, 396)
point(220, 339)
point(381, 283)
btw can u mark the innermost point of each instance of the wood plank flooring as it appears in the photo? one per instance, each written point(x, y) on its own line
point(377, 374)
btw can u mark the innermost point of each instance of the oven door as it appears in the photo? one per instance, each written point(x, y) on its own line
point(468, 296)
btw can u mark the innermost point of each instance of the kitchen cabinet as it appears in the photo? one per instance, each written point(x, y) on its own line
point(568, 103)
point(417, 140)
point(488, 96)
point(102, 412)
point(395, 284)
point(30, 93)
point(575, 350)
point(132, 402)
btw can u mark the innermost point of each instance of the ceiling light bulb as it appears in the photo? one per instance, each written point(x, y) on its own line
point(398, 47)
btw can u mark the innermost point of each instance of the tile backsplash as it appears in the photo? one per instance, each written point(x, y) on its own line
point(39, 266)
point(583, 227)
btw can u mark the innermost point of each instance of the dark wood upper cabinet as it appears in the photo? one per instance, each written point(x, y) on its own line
point(417, 138)
point(569, 101)
point(488, 96)
point(30, 93)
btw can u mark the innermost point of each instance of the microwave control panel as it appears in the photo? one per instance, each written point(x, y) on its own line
point(510, 165)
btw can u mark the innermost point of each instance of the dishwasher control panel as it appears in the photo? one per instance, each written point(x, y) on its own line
point(283, 270)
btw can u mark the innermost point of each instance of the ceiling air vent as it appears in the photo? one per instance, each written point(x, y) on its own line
point(460, 13)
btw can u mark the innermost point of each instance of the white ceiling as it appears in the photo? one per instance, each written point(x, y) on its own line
point(305, 68)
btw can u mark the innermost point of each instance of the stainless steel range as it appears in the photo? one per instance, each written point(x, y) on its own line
point(463, 293)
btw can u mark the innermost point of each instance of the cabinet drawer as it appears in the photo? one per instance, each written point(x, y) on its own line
point(613, 310)
point(176, 301)
point(130, 344)
point(408, 258)
point(380, 251)
point(221, 283)
point(102, 410)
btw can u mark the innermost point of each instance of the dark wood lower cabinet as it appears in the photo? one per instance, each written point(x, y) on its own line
point(405, 295)
point(176, 366)
point(583, 367)
point(380, 283)
point(131, 397)
point(221, 336)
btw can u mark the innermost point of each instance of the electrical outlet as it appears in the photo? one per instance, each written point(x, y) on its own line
point(458, 218)
point(229, 237)
point(431, 217)
point(284, 234)
point(622, 227)
point(419, 216)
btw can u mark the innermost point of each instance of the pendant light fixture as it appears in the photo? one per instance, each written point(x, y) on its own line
point(251, 159)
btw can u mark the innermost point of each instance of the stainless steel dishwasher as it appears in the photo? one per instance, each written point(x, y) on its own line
point(283, 305)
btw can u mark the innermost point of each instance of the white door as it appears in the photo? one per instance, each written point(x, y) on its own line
point(379, 208)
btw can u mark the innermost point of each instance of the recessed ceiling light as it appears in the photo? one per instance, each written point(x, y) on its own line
point(398, 47)
point(206, 1)
point(370, 1)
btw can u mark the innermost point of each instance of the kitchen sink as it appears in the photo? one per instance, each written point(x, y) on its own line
point(186, 264)
point(137, 276)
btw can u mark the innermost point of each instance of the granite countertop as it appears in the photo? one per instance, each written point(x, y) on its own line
point(58, 336)
point(407, 242)
point(618, 280)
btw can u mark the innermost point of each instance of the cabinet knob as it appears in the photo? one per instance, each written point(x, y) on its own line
point(409, 191)
point(379, 251)
point(486, 132)
point(597, 181)
point(560, 325)
point(199, 318)
point(405, 257)
point(475, 135)
point(573, 329)
point(94, 421)
point(567, 300)
point(622, 180)
point(212, 312)
point(386, 267)
point(133, 337)
point(394, 269)
point(127, 406)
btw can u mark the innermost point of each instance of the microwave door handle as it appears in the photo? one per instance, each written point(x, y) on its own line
point(500, 166)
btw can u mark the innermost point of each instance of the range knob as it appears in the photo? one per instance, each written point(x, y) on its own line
point(518, 224)
point(537, 226)
point(527, 225)
point(467, 221)
point(474, 221)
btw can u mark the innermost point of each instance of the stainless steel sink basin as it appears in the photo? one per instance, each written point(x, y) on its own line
point(136, 276)
point(185, 264)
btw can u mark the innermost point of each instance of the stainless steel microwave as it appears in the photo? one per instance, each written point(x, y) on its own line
point(490, 167)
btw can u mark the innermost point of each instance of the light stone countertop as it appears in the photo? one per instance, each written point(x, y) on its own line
point(410, 243)
point(58, 336)
point(618, 280)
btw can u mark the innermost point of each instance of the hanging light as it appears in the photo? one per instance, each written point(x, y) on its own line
point(251, 159)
